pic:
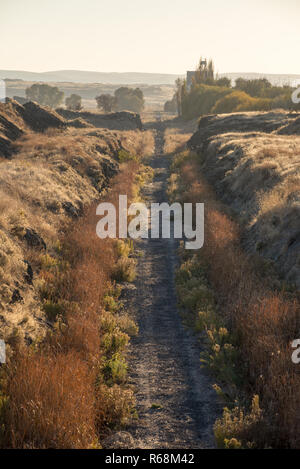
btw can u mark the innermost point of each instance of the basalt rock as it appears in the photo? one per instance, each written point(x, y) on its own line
point(33, 239)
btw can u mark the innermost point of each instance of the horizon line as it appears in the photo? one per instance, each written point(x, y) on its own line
point(141, 73)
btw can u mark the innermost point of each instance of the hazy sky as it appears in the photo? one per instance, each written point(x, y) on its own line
point(165, 36)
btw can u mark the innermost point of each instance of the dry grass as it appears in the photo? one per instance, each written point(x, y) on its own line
point(50, 173)
point(52, 402)
point(67, 392)
point(177, 134)
point(263, 321)
point(175, 141)
point(258, 177)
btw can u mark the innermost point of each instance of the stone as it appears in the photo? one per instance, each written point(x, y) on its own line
point(34, 240)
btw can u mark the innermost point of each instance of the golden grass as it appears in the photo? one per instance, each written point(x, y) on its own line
point(175, 141)
point(177, 134)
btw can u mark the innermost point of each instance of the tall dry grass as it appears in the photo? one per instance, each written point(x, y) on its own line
point(51, 402)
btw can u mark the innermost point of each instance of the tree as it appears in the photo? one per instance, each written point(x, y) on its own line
point(255, 88)
point(224, 81)
point(45, 95)
point(129, 99)
point(107, 102)
point(179, 94)
point(171, 106)
point(205, 73)
point(73, 102)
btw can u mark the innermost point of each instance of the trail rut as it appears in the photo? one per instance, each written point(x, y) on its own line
point(175, 401)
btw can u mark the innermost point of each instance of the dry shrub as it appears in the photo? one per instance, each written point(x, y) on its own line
point(115, 406)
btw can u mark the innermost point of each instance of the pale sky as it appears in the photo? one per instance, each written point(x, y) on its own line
point(165, 36)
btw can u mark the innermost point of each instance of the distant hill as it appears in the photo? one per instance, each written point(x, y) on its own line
point(131, 78)
point(280, 79)
point(79, 76)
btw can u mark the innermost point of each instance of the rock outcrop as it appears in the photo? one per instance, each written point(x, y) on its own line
point(15, 119)
point(115, 121)
point(40, 118)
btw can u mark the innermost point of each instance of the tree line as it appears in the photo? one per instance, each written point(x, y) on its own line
point(207, 93)
point(124, 98)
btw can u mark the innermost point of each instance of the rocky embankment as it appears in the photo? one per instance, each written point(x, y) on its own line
point(15, 119)
point(114, 121)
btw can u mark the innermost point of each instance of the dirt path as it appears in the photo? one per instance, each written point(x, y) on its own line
point(175, 400)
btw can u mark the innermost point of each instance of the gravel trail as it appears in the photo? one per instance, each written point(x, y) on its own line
point(176, 404)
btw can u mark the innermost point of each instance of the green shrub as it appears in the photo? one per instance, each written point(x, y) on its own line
point(115, 370)
point(201, 100)
point(124, 156)
point(206, 319)
point(238, 101)
point(124, 248)
point(52, 310)
point(3, 405)
point(207, 99)
point(236, 428)
point(125, 270)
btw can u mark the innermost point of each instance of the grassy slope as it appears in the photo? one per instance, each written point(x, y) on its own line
point(51, 177)
point(256, 173)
